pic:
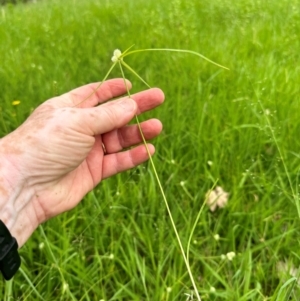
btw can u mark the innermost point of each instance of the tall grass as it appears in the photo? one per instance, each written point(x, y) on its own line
point(240, 128)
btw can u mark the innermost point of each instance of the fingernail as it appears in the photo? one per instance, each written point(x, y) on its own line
point(128, 104)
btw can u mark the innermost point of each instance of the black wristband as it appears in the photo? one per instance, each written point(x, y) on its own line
point(10, 260)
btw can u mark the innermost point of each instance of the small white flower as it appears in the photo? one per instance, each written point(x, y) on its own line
point(223, 257)
point(41, 246)
point(212, 289)
point(169, 289)
point(111, 256)
point(210, 163)
point(182, 183)
point(230, 255)
point(217, 237)
point(117, 55)
point(65, 286)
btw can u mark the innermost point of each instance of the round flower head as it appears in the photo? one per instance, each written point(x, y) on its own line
point(217, 237)
point(230, 255)
point(117, 55)
point(212, 289)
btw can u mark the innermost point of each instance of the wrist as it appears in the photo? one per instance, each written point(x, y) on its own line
point(14, 197)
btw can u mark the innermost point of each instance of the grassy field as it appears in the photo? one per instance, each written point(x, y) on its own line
point(239, 128)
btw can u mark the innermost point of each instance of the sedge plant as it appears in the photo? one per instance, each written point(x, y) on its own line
point(118, 60)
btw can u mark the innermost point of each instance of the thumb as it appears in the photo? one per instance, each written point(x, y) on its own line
point(107, 117)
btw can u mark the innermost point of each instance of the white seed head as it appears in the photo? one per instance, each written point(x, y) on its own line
point(114, 59)
point(217, 237)
point(65, 286)
point(117, 55)
point(212, 289)
point(230, 255)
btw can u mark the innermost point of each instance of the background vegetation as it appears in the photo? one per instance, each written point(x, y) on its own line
point(240, 127)
point(2, 2)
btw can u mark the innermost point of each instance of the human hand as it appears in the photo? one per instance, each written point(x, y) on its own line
point(55, 157)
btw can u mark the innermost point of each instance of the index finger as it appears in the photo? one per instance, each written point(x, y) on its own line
point(92, 94)
point(148, 99)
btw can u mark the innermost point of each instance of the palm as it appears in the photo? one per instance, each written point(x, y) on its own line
point(68, 160)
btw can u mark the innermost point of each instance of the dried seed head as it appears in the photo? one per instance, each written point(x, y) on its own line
point(216, 198)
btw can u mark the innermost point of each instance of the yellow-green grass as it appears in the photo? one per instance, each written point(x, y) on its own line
point(240, 127)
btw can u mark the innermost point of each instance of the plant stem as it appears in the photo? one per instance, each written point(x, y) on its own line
point(164, 197)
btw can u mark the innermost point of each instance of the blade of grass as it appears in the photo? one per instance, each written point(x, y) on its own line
point(32, 285)
point(274, 138)
point(57, 265)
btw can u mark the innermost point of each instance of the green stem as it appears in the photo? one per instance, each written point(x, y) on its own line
point(131, 70)
point(100, 84)
point(164, 197)
point(175, 50)
point(195, 224)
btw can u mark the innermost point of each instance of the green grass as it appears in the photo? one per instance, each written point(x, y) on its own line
point(118, 244)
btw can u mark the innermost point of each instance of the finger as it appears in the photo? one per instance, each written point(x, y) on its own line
point(118, 162)
point(106, 118)
point(128, 136)
point(92, 94)
point(148, 99)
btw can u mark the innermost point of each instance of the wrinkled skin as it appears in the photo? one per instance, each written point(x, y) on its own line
point(56, 156)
